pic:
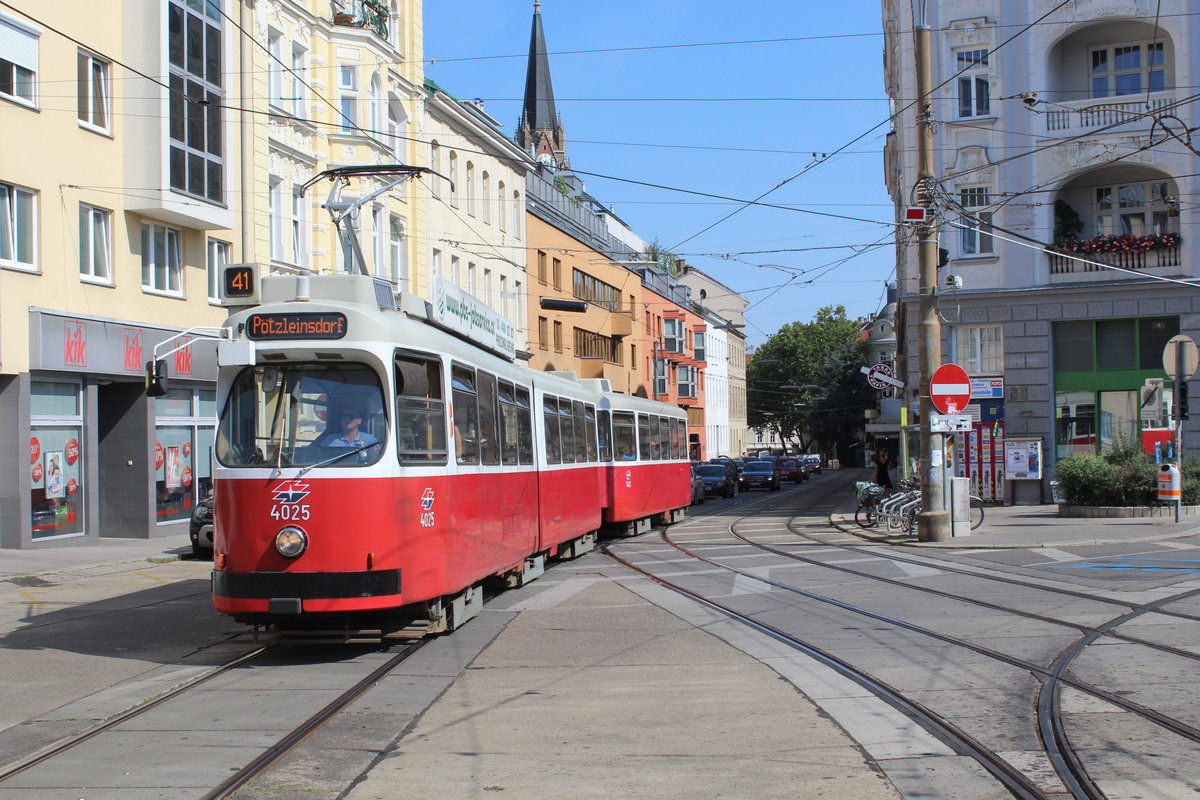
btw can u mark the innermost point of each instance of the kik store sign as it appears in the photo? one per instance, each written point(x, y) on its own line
point(82, 344)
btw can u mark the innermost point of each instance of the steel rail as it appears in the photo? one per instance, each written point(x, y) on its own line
point(1141, 607)
point(63, 745)
point(264, 760)
point(953, 736)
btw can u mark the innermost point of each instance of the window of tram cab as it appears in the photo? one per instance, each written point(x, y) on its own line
point(420, 409)
point(589, 429)
point(509, 434)
point(643, 437)
point(550, 416)
point(466, 415)
point(524, 426)
point(489, 440)
point(624, 437)
point(604, 434)
point(566, 431)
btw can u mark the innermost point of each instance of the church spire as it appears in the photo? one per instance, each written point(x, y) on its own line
point(540, 132)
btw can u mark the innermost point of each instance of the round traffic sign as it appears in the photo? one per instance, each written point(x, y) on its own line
point(950, 389)
point(874, 374)
point(1171, 354)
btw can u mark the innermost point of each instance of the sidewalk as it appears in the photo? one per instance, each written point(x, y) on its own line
point(1033, 526)
point(20, 563)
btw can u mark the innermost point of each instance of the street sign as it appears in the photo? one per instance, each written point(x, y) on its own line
point(1150, 399)
point(880, 377)
point(1190, 357)
point(950, 388)
point(949, 423)
point(916, 214)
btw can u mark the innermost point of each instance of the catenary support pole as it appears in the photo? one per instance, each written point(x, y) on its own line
point(933, 523)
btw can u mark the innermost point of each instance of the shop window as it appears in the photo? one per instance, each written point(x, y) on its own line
point(56, 456)
point(185, 421)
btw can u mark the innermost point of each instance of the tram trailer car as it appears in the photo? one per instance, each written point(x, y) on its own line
point(370, 461)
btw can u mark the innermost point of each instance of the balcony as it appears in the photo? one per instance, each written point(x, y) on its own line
point(1135, 256)
point(1079, 116)
point(369, 14)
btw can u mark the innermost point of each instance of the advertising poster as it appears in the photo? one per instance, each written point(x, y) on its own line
point(174, 468)
point(55, 487)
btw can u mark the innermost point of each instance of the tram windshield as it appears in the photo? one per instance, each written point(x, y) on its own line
point(303, 415)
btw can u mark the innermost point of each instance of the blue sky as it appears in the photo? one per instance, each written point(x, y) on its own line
point(725, 119)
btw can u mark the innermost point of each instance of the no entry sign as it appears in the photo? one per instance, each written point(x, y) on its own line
point(950, 388)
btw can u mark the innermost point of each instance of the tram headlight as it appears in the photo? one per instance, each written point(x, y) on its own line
point(291, 542)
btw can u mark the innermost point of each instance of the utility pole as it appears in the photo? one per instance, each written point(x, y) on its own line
point(933, 523)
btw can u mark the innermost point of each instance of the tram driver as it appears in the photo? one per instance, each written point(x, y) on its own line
point(351, 435)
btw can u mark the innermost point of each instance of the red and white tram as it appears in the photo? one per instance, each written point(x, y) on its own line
point(369, 461)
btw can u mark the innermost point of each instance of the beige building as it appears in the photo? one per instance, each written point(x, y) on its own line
point(159, 140)
point(475, 225)
point(129, 185)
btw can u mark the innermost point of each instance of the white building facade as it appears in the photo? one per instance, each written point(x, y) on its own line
point(1053, 140)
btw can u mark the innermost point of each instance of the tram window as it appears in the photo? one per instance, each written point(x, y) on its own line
point(604, 434)
point(292, 415)
point(589, 431)
point(566, 428)
point(656, 442)
point(420, 410)
point(466, 419)
point(508, 424)
point(681, 449)
point(580, 432)
point(489, 443)
point(643, 437)
point(624, 440)
point(524, 427)
point(550, 417)
point(673, 429)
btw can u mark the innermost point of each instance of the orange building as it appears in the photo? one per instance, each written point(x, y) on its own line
point(595, 343)
point(672, 338)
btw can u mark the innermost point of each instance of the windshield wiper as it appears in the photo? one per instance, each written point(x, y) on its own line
point(338, 457)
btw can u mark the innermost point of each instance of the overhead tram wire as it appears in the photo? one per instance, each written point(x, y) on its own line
point(869, 131)
point(785, 40)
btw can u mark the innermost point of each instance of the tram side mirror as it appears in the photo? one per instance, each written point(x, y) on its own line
point(156, 378)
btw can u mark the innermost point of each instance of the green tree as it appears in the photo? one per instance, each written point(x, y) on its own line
point(822, 356)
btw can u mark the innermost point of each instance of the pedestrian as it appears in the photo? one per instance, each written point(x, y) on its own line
point(881, 469)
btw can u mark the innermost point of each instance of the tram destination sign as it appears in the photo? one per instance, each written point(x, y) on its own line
point(326, 325)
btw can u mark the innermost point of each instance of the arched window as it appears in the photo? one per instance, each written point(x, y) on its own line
point(452, 174)
point(502, 208)
point(375, 113)
point(517, 213)
point(397, 120)
point(485, 194)
point(469, 188)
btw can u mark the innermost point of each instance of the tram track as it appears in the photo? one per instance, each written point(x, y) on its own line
point(1049, 679)
point(44, 761)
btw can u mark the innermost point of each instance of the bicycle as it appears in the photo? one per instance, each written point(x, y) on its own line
point(899, 510)
point(869, 494)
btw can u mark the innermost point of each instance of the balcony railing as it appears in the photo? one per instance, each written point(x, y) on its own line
point(370, 14)
point(1061, 264)
point(1082, 115)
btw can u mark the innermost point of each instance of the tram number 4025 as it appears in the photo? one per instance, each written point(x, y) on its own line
point(290, 512)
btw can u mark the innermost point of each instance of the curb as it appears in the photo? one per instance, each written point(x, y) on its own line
point(844, 524)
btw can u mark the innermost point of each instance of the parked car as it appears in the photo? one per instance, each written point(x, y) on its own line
point(697, 484)
point(730, 467)
point(812, 461)
point(790, 469)
point(761, 475)
point(718, 480)
point(201, 528)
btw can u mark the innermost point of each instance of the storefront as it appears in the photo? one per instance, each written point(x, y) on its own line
point(92, 455)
